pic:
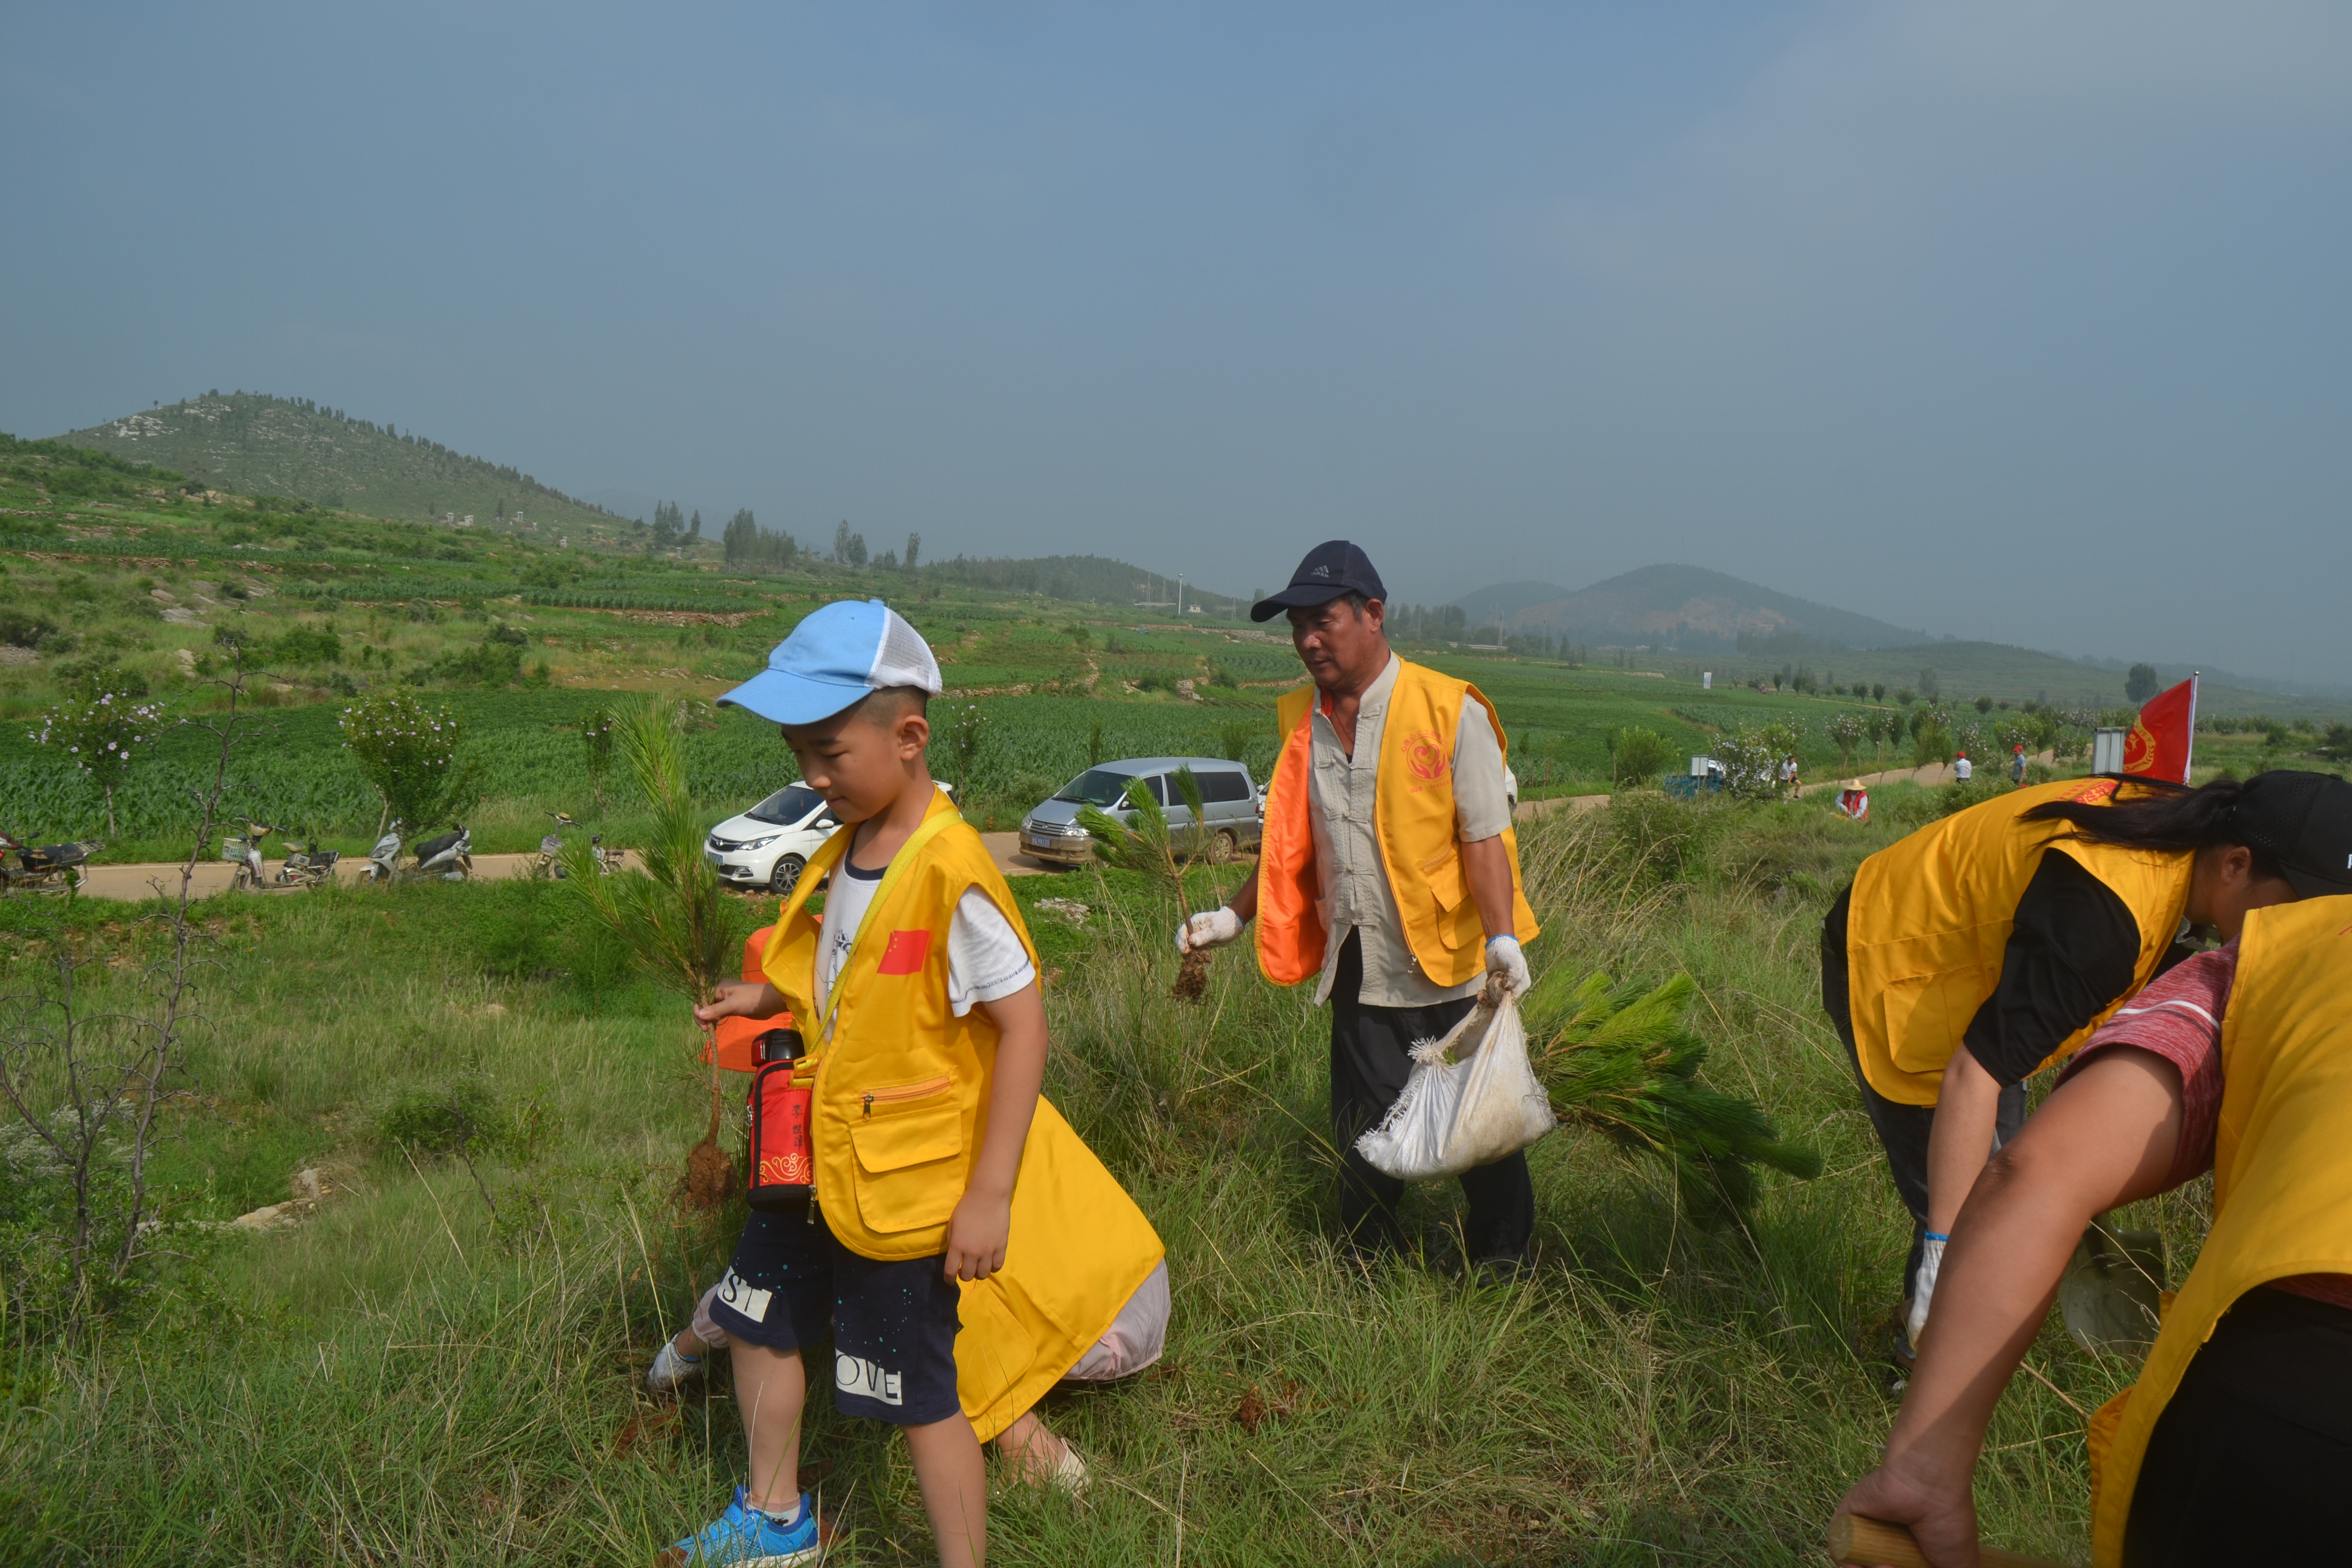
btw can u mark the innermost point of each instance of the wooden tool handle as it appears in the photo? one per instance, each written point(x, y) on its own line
point(1875, 1543)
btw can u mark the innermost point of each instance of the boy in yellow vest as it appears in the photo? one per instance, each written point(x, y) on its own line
point(920, 999)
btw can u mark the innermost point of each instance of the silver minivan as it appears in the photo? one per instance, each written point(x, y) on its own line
point(1234, 806)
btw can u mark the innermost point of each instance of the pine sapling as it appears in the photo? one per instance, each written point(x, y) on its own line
point(1145, 843)
point(672, 915)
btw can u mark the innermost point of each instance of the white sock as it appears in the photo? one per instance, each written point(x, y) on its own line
point(788, 1517)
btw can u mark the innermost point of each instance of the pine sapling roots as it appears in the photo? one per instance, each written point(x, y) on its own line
point(1193, 977)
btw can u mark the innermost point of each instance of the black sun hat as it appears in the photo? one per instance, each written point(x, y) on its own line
point(1332, 568)
point(2303, 822)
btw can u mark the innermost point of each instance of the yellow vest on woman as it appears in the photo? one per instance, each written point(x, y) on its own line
point(899, 1109)
point(1930, 916)
point(1413, 820)
point(2282, 1170)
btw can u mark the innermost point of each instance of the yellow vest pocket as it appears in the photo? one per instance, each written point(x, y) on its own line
point(909, 1168)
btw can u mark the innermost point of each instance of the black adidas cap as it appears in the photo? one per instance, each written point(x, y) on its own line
point(1332, 568)
point(2303, 821)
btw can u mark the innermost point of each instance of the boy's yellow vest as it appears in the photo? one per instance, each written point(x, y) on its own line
point(1930, 917)
point(1413, 820)
point(2282, 1170)
point(900, 1107)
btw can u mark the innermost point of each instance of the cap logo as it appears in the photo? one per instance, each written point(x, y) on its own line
point(1322, 571)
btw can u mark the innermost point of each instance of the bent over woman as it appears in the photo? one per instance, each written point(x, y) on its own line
point(2234, 1444)
point(1988, 945)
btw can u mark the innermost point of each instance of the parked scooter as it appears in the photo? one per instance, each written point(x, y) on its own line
point(244, 854)
point(310, 868)
point(384, 859)
point(52, 868)
point(448, 856)
point(547, 866)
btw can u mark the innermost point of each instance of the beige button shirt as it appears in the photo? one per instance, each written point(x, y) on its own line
point(1354, 884)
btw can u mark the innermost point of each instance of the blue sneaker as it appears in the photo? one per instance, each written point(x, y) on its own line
point(743, 1537)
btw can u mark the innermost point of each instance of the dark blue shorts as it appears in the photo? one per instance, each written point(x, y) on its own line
point(894, 1334)
point(777, 1292)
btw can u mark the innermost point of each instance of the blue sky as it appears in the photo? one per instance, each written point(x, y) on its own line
point(2017, 321)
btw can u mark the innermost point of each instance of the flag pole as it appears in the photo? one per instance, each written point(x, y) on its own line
point(2190, 756)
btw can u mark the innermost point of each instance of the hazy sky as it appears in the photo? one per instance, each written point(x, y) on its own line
point(2021, 321)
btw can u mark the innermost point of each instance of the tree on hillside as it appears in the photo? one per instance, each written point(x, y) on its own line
point(2140, 684)
point(747, 545)
point(693, 527)
point(848, 549)
point(914, 550)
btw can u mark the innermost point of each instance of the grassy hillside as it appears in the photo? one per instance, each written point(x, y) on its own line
point(260, 445)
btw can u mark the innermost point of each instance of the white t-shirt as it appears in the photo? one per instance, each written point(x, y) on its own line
point(986, 962)
point(1962, 769)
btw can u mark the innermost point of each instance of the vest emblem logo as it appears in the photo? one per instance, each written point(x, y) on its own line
point(1425, 758)
point(905, 952)
point(2098, 791)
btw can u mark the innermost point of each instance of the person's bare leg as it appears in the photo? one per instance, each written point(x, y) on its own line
point(689, 1344)
point(949, 1467)
point(771, 1386)
point(1032, 1449)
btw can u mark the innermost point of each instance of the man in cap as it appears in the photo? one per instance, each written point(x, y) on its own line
point(1388, 874)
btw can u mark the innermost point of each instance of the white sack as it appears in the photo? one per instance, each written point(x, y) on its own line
point(1454, 1115)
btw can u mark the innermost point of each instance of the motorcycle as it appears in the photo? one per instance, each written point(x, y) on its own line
point(448, 856)
point(244, 854)
point(385, 857)
point(310, 867)
point(52, 868)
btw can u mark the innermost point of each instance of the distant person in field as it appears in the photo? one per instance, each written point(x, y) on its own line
point(1389, 876)
point(2233, 1444)
point(1986, 947)
point(939, 1167)
point(1962, 769)
point(2017, 768)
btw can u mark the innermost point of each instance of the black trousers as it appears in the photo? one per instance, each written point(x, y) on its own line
point(1902, 1128)
point(1369, 1068)
point(2250, 1460)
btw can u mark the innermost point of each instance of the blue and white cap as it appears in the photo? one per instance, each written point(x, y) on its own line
point(834, 658)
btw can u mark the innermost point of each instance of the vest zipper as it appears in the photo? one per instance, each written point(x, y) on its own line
point(922, 1091)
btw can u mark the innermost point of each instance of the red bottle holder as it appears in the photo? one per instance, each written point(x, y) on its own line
point(782, 1163)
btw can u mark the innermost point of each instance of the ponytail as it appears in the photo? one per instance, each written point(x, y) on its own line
point(2160, 815)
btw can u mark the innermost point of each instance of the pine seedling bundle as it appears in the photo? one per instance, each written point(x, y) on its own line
point(671, 916)
point(1624, 1061)
point(1146, 843)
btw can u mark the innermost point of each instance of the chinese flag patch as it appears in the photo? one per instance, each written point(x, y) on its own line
point(905, 952)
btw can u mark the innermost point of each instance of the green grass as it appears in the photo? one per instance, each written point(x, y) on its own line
point(404, 1377)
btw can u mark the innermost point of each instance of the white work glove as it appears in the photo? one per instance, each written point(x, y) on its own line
point(1507, 967)
point(1210, 928)
point(1922, 1291)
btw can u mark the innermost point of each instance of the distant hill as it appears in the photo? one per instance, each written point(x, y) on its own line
point(259, 445)
point(1095, 579)
point(1687, 609)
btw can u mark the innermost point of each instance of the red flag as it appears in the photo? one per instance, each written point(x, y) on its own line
point(2164, 734)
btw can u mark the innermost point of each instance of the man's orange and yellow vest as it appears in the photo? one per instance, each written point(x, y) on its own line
point(1413, 821)
point(900, 1110)
point(2282, 1171)
point(1930, 917)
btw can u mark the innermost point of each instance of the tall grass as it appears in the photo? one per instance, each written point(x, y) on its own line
point(403, 1377)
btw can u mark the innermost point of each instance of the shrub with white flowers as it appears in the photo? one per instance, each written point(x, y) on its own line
point(103, 735)
point(413, 756)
